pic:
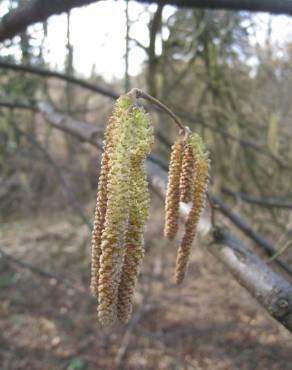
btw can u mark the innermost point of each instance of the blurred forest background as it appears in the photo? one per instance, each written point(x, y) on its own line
point(236, 92)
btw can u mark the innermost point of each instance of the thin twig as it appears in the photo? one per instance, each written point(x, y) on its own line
point(137, 93)
point(266, 203)
point(66, 188)
point(42, 272)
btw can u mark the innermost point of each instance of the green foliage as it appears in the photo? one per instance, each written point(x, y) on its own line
point(76, 364)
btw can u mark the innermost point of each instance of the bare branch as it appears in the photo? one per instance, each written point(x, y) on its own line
point(266, 203)
point(35, 11)
point(32, 12)
point(43, 272)
point(244, 142)
point(113, 95)
point(270, 6)
point(52, 74)
point(270, 290)
point(246, 228)
point(65, 187)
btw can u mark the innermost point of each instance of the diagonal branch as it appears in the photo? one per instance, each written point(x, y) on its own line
point(242, 224)
point(266, 203)
point(58, 171)
point(61, 76)
point(270, 290)
point(60, 279)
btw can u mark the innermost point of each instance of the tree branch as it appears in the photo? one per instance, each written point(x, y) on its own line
point(244, 142)
point(32, 12)
point(246, 228)
point(35, 11)
point(270, 290)
point(113, 95)
point(43, 273)
point(266, 203)
point(270, 6)
point(52, 74)
point(65, 187)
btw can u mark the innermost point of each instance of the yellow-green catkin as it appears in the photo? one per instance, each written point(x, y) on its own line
point(101, 204)
point(121, 211)
point(200, 184)
point(138, 214)
point(117, 212)
point(173, 192)
point(187, 174)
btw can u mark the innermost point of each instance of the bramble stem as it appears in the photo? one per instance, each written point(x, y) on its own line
point(137, 93)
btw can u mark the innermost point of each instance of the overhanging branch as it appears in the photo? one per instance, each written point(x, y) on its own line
point(61, 76)
point(35, 11)
point(32, 12)
point(270, 6)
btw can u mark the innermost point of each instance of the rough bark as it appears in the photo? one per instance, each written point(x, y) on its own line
point(270, 290)
point(247, 229)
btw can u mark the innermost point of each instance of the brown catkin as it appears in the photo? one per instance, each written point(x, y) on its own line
point(187, 174)
point(115, 224)
point(173, 192)
point(101, 204)
point(199, 195)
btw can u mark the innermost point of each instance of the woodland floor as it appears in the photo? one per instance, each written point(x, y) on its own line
point(209, 323)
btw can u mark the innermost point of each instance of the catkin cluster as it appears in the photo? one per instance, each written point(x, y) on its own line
point(187, 182)
point(121, 211)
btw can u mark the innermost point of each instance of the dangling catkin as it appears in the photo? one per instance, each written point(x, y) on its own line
point(101, 203)
point(138, 214)
point(173, 191)
point(121, 211)
point(117, 211)
point(199, 195)
point(187, 174)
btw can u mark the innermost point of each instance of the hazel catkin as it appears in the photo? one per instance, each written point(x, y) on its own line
point(121, 211)
point(187, 174)
point(116, 220)
point(199, 194)
point(173, 191)
point(138, 214)
point(101, 203)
